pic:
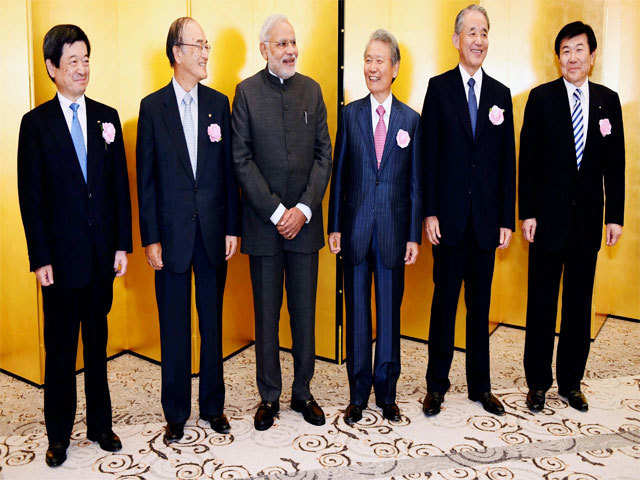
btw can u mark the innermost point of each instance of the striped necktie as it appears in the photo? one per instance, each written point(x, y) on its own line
point(578, 125)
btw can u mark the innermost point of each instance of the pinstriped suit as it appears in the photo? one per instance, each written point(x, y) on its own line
point(377, 211)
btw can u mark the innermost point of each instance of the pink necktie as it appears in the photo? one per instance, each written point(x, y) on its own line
point(380, 134)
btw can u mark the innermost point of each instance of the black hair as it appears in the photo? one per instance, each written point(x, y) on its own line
point(574, 29)
point(59, 36)
point(174, 37)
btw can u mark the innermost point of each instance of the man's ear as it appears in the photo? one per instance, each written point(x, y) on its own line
point(50, 68)
point(456, 41)
point(177, 53)
point(263, 50)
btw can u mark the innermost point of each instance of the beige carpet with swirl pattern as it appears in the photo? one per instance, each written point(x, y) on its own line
point(463, 442)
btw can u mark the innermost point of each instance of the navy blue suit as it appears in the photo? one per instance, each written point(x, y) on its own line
point(377, 211)
point(189, 216)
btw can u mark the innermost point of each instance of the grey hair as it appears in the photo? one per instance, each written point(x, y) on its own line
point(269, 23)
point(457, 28)
point(384, 36)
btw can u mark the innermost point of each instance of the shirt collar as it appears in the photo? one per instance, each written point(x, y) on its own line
point(181, 92)
point(65, 103)
point(386, 103)
point(465, 76)
point(584, 88)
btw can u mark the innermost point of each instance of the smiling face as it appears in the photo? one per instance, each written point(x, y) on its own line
point(191, 62)
point(473, 41)
point(280, 51)
point(379, 72)
point(72, 76)
point(575, 59)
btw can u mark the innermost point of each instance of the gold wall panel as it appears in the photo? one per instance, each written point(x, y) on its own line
point(20, 350)
point(233, 28)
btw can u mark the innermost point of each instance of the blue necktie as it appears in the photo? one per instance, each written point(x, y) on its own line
point(577, 121)
point(473, 106)
point(189, 136)
point(78, 140)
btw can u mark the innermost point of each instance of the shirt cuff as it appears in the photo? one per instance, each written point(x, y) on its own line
point(277, 215)
point(305, 210)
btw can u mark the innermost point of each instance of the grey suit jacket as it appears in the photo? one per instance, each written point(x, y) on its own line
point(281, 154)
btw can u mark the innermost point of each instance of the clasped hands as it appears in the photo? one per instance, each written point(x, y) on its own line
point(291, 222)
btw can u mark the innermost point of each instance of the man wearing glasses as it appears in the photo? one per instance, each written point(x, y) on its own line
point(282, 158)
point(188, 202)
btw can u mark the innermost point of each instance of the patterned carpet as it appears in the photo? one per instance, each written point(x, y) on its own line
point(463, 442)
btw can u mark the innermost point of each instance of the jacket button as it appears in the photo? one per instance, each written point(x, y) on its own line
point(194, 217)
point(90, 195)
point(195, 190)
point(469, 192)
point(377, 182)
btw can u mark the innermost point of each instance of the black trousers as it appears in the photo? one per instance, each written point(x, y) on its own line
point(173, 294)
point(389, 288)
point(545, 269)
point(452, 265)
point(299, 272)
point(65, 310)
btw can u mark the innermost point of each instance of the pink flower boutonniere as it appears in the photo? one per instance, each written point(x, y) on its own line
point(605, 127)
point(108, 133)
point(403, 138)
point(215, 135)
point(496, 115)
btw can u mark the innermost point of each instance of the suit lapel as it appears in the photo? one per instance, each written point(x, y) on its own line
point(174, 128)
point(204, 109)
point(593, 129)
point(459, 96)
point(486, 92)
point(60, 132)
point(563, 109)
point(394, 120)
point(364, 121)
point(95, 143)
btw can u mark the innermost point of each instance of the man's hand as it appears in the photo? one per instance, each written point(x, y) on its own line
point(614, 232)
point(45, 275)
point(153, 252)
point(291, 222)
point(231, 245)
point(120, 263)
point(334, 242)
point(529, 229)
point(432, 228)
point(505, 237)
point(411, 254)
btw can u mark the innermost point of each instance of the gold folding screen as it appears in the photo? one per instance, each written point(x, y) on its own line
point(128, 62)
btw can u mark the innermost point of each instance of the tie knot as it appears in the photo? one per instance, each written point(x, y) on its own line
point(578, 94)
point(187, 99)
point(74, 107)
point(380, 110)
point(471, 82)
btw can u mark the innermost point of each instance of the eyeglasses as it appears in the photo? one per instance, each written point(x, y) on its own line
point(202, 46)
point(282, 44)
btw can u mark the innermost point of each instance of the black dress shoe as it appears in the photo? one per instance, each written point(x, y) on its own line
point(576, 399)
point(173, 432)
point(489, 402)
point(535, 400)
point(56, 454)
point(264, 416)
point(108, 441)
point(219, 423)
point(353, 414)
point(310, 410)
point(390, 411)
point(432, 403)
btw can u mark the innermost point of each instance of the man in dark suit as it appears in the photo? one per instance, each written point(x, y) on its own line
point(76, 211)
point(571, 144)
point(469, 191)
point(282, 157)
point(189, 221)
point(375, 219)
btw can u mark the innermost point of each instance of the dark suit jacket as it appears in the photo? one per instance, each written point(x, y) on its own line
point(170, 199)
point(363, 195)
point(466, 175)
point(281, 154)
point(551, 186)
point(69, 224)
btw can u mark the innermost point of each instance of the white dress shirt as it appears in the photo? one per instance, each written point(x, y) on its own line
point(387, 111)
point(180, 93)
point(65, 104)
point(279, 211)
point(585, 103)
point(477, 87)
